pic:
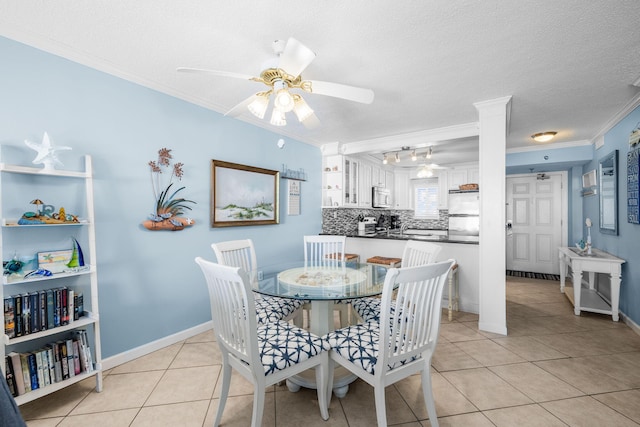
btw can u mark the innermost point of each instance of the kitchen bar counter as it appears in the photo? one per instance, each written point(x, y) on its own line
point(392, 245)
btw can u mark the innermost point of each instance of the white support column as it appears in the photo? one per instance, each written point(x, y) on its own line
point(493, 122)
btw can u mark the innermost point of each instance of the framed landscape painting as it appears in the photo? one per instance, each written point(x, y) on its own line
point(243, 195)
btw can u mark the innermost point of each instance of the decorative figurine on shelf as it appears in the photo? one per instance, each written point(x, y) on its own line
point(13, 267)
point(167, 215)
point(76, 263)
point(46, 153)
point(588, 223)
point(44, 214)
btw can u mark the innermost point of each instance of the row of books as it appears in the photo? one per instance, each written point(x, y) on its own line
point(55, 362)
point(41, 310)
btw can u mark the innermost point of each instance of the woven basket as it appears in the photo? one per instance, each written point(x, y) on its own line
point(469, 187)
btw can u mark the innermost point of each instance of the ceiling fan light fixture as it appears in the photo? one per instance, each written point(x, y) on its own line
point(544, 136)
point(258, 107)
point(278, 118)
point(283, 100)
point(425, 172)
point(301, 108)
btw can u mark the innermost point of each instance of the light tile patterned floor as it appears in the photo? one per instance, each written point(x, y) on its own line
point(553, 369)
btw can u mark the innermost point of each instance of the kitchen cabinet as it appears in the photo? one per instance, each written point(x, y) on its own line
point(462, 175)
point(332, 181)
point(443, 185)
point(351, 186)
point(388, 179)
point(402, 190)
point(366, 174)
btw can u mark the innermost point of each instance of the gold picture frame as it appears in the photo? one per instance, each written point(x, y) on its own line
point(243, 195)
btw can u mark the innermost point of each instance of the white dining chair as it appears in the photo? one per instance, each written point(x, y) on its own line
point(327, 251)
point(264, 354)
point(406, 341)
point(241, 253)
point(324, 251)
point(415, 253)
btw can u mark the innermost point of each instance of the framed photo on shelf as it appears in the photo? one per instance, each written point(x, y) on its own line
point(54, 261)
point(243, 195)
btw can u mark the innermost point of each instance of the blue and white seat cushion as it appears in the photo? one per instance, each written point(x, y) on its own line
point(359, 344)
point(272, 309)
point(369, 308)
point(281, 345)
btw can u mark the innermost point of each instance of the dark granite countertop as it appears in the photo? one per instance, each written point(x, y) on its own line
point(471, 240)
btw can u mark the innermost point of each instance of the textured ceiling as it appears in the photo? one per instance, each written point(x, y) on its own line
point(569, 65)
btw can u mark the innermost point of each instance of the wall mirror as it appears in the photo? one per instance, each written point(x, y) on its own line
point(608, 174)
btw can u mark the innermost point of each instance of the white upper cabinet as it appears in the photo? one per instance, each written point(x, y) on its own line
point(401, 190)
point(365, 184)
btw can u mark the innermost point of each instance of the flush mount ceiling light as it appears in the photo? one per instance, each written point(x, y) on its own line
point(282, 75)
point(543, 136)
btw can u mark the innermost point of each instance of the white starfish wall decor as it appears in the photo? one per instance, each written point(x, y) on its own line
point(46, 152)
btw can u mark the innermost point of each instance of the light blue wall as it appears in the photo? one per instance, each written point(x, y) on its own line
point(149, 285)
point(626, 244)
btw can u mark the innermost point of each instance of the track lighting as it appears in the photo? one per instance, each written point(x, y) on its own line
point(414, 155)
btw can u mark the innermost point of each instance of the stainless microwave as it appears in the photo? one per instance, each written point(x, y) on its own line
point(380, 197)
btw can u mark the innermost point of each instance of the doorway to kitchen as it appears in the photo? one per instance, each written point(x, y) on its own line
point(536, 221)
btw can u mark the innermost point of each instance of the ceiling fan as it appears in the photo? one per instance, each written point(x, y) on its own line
point(281, 74)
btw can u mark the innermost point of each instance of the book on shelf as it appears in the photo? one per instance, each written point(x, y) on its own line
point(50, 363)
point(9, 317)
point(39, 368)
point(17, 306)
point(72, 369)
point(50, 308)
point(70, 305)
point(24, 365)
point(26, 313)
point(34, 315)
point(64, 306)
point(10, 376)
point(18, 376)
point(80, 304)
point(57, 364)
point(33, 371)
point(62, 347)
point(42, 295)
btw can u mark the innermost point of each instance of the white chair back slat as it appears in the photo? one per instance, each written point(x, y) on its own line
point(324, 251)
point(419, 253)
point(412, 328)
point(238, 253)
point(232, 310)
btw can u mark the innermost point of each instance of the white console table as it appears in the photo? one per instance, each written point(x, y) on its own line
point(589, 299)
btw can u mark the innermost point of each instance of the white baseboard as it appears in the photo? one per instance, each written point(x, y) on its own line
point(633, 325)
point(143, 350)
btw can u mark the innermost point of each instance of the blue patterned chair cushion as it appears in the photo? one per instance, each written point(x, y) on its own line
point(282, 345)
point(359, 344)
point(369, 308)
point(272, 309)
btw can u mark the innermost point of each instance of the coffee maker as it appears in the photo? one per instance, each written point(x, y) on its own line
point(394, 222)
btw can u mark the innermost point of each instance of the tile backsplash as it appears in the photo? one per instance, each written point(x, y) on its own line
point(345, 220)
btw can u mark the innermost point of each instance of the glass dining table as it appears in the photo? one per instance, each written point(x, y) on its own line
point(322, 287)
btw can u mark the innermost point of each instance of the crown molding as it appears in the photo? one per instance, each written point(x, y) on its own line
point(628, 108)
point(418, 139)
point(554, 146)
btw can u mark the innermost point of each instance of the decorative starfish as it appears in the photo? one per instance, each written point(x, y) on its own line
point(46, 152)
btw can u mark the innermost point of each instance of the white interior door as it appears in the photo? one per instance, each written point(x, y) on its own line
point(536, 213)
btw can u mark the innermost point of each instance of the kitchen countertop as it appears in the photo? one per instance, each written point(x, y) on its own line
point(391, 235)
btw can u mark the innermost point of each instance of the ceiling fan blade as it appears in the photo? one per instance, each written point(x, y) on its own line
point(295, 57)
point(241, 107)
point(215, 73)
point(338, 90)
point(311, 122)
